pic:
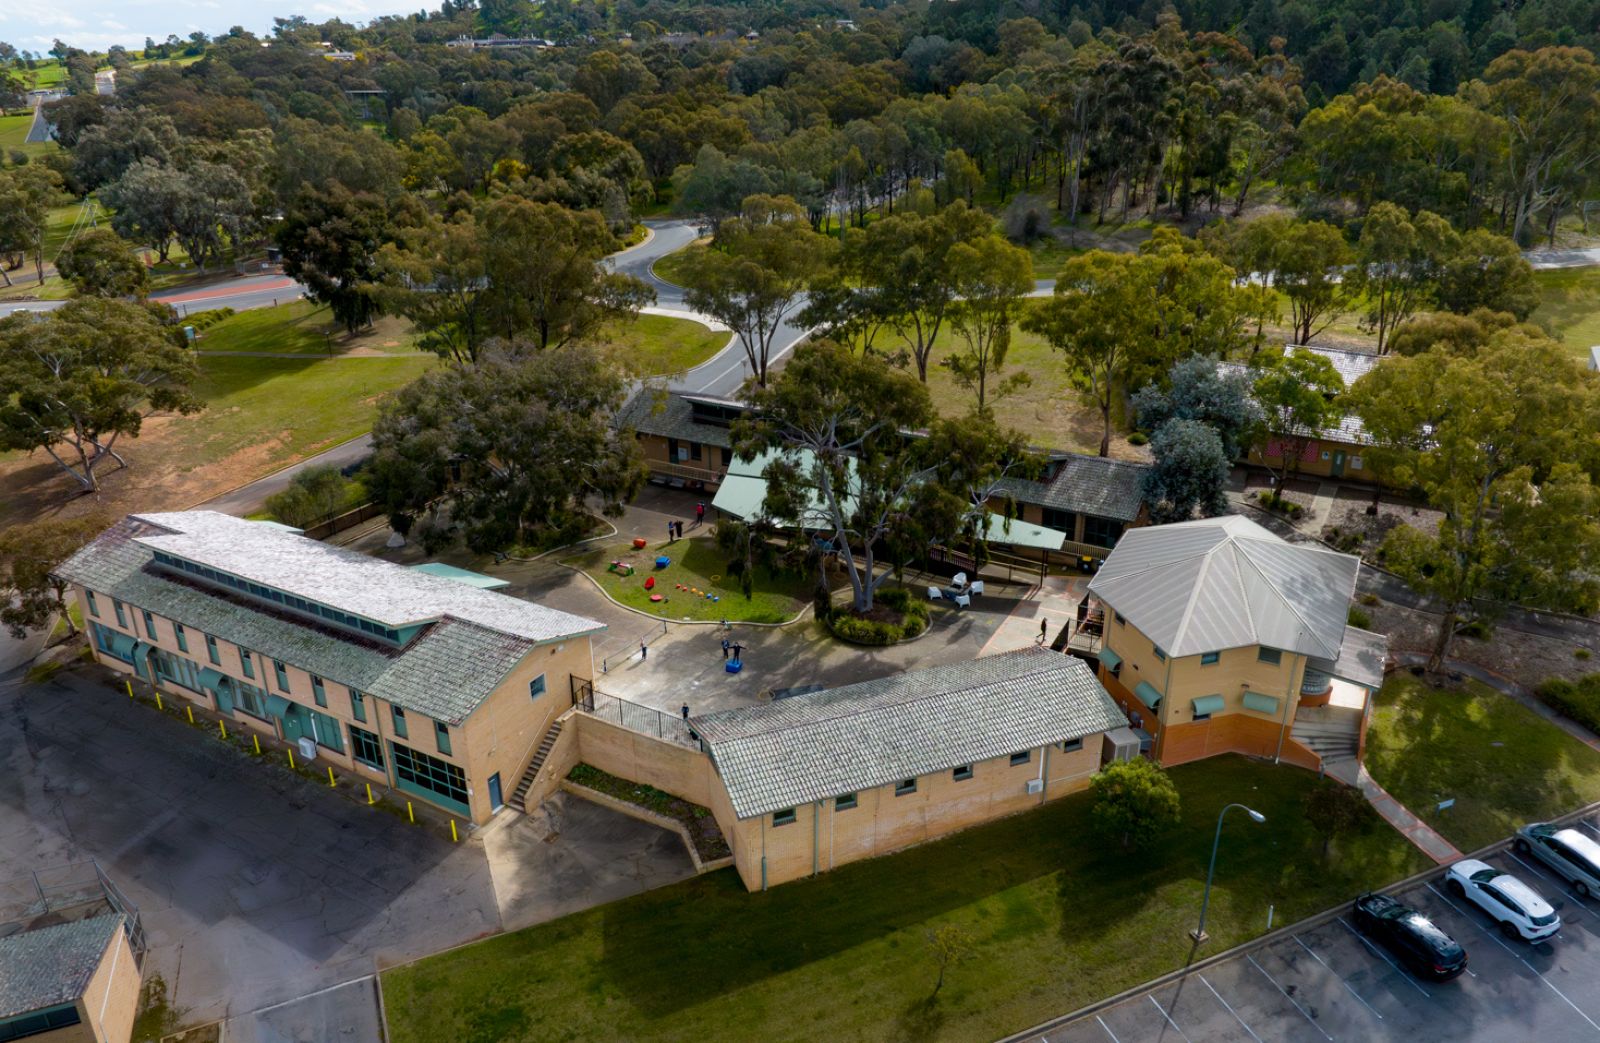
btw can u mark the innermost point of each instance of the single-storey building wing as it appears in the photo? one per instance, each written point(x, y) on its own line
point(818, 780)
point(1220, 637)
point(685, 438)
point(1091, 499)
point(427, 683)
point(1338, 450)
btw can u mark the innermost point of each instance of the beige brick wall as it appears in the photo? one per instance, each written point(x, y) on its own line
point(111, 1001)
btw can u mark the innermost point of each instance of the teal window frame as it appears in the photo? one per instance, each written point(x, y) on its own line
point(536, 687)
point(211, 651)
point(1159, 653)
point(845, 801)
point(319, 692)
point(150, 624)
point(430, 778)
point(366, 747)
point(1072, 745)
point(1210, 658)
point(784, 817)
point(1021, 757)
point(122, 615)
point(961, 773)
point(397, 717)
point(38, 1022)
point(326, 731)
point(281, 675)
point(1270, 656)
point(441, 737)
point(251, 700)
point(905, 787)
point(249, 667)
point(94, 608)
point(358, 705)
point(179, 636)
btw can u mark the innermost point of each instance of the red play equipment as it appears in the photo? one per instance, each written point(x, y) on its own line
point(649, 583)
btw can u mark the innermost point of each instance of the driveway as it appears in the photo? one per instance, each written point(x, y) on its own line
point(1327, 983)
point(258, 887)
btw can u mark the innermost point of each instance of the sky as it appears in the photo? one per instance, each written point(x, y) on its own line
point(94, 25)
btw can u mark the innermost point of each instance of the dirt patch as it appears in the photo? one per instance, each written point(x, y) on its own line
point(1350, 528)
point(1528, 659)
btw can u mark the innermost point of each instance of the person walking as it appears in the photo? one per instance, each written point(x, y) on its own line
point(1044, 630)
point(724, 648)
point(699, 513)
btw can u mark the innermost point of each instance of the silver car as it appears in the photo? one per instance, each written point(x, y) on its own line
point(1570, 854)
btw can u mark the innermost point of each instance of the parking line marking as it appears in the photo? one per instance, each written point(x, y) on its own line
point(1543, 872)
point(1290, 998)
point(1164, 1014)
point(1336, 974)
point(1103, 1025)
point(1380, 954)
point(1524, 961)
point(1494, 935)
point(1225, 1003)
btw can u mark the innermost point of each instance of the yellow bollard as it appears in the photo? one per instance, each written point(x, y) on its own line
point(291, 759)
point(190, 711)
point(412, 815)
point(223, 728)
point(369, 794)
point(130, 688)
point(257, 740)
point(159, 704)
point(330, 777)
point(454, 839)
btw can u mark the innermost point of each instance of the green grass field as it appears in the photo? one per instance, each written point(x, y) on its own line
point(1058, 918)
point(1500, 762)
point(696, 563)
point(670, 267)
point(303, 328)
point(1570, 304)
point(654, 345)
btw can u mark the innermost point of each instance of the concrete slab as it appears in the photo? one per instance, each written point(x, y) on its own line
point(346, 1013)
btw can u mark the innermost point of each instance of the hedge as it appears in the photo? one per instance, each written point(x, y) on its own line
point(1578, 699)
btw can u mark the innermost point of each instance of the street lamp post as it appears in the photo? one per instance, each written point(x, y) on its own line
point(1199, 933)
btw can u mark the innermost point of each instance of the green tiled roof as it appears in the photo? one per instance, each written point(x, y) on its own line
point(52, 966)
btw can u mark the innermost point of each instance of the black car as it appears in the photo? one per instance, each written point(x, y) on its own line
point(1413, 938)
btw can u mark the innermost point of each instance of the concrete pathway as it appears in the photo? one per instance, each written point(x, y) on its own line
point(1055, 603)
point(1427, 840)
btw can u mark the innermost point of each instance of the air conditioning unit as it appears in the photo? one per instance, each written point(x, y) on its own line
point(1035, 785)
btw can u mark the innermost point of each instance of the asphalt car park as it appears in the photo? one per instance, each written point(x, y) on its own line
point(1328, 983)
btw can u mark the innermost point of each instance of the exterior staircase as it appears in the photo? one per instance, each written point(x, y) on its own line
point(519, 798)
point(1333, 733)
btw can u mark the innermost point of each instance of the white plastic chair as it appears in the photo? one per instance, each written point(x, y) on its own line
point(934, 593)
point(963, 600)
point(960, 579)
point(976, 588)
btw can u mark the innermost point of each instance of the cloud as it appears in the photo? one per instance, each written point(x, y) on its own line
point(95, 25)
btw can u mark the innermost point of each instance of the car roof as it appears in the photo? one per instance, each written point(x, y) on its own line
point(1530, 900)
point(1581, 843)
point(1470, 866)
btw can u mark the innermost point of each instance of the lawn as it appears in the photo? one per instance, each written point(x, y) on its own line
point(1500, 762)
point(1570, 303)
point(653, 345)
point(1058, 919)
point(696, 564)
point(670, 267)
point(303, 328)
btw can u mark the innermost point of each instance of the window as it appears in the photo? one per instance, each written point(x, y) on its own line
point(905, 786)
point(149, 624)
point(536, 687)
point(1159, 653)
point(366, 747)
point(358, 706)
point(962, 773)
point(251, 700)
point(1072, 745)
point(326, 731)
point(1101, 532)
point(94, 609)
point(1065, 521)
point(1210, 658)
point(1355, 463)
point(783, 818)
point(1021, 758)
point(844, 802)
point(211, 651)
point(318, 692)
point(249, 667)
point(441, 734)
point(39, 1022)
point(1268, 655)
point(1122, 620)
point(122, 617)
point(182, 639)
point(399, 717)
point(430, 774)
point(281, 674)
point(695, 452)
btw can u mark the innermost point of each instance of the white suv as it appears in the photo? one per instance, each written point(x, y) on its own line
point(1516, 907)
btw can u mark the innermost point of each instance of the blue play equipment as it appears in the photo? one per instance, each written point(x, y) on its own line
point(663, 561)
point(733, 666)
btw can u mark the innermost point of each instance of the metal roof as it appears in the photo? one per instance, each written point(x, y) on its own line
point(843, 740)
point(1361, 657)
point(445, 673)
point(467, 576)
point(1351, 365)
point(51, 966)
point(381, 591)
point(1092, 485)
point(1216, 583)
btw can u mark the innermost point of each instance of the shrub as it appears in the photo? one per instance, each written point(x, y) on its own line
point(1369, 599)
point(1581, 653)
point(913, 620)
point(207, 319)
point(1134, 802)
point(1138, 438)
point(1026, 219)
point(1475, 629)
point(1578, 699)
point(1359, 618)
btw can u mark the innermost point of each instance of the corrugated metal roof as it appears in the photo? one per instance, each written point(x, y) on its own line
point(1216, 583)
point(381, 591)
point(1360, 660)
point(51, 966)
point(445, 673)
point(810, 747)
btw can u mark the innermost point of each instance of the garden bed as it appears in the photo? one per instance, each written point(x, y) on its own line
point(709, 843)
point(896, 616)
point(697, 568)
point(1351, 529)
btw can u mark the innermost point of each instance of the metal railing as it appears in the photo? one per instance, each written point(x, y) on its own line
point(636, 717)
point(633, 646)
point(673, 469)
point(70, 891)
